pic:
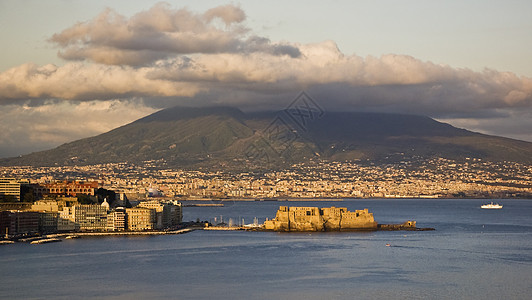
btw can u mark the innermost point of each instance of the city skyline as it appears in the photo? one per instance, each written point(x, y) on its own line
point(75, 69)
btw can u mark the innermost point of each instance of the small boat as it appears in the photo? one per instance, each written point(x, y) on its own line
point(491, 206)
point(388, 245)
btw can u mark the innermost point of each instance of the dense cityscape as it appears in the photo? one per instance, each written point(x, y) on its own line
point(409, 178)
point(123, 197)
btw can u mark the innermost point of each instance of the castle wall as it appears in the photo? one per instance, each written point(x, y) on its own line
point(359, 219)
point(316, 219)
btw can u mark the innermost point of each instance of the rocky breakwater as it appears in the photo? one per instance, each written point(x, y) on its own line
point(305, 219)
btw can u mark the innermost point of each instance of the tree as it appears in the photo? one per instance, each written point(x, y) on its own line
point(84, 199)
point(27, 193)
point(103, 193)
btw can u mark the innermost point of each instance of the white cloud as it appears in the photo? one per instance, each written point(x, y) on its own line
point(212, 58)
point(397, 82)
point(79, 81)
point(161, 32)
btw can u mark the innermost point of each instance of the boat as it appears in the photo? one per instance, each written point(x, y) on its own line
point(491, 206)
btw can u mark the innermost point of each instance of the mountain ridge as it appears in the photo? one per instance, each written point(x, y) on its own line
point(186, 136)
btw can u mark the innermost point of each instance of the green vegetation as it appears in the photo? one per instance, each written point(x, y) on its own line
point(221, 136)
point(84, 199)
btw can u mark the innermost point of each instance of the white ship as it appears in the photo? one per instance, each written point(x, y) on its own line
point(491, 206)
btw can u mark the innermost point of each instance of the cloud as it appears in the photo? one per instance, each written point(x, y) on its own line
point(79, 81)
point(159, 33)
point(28, 128)
point(229, 14)
point(515, 124)
point(171, 56)
point(391, 82)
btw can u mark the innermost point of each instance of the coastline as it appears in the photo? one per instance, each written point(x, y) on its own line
point(82, 234)
point(71, 235)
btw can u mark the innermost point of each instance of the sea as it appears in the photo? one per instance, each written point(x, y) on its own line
point(473, 253)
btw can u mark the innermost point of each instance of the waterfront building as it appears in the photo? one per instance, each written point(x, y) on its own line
point(48, 221)
point(167, 213)
point(90, 217)
point(14, 222)
point(116, 220)
point(9, 187)
point(55, 214)
point(66, 220)
point(139, 218)
point(176, 213)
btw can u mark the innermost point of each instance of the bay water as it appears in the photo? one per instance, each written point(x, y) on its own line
point(474, 253)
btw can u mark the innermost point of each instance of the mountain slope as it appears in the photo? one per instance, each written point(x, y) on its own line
point(214, 135)
point(173, 134)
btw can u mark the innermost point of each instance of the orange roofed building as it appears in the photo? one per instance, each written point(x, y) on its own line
point(70, 188)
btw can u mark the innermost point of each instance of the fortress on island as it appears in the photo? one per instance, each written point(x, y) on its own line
point(328, 219)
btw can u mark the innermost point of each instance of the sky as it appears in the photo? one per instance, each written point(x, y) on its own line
point(71, 69)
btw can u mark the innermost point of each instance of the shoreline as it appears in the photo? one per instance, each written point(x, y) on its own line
point(339, 199)
point(82, 234)
point(73, 235)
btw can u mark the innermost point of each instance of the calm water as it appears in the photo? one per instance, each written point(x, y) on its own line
point(473, 254)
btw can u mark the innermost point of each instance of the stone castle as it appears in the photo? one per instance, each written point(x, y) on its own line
point(320, 219)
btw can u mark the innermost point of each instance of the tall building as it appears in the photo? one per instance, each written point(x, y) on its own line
point(90, 217)
point(9, 187)
point(116, 220)
point(139, 218)
point(167, 213)
point(66, 220)
point(48, 221)
point(13, 222)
